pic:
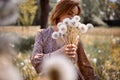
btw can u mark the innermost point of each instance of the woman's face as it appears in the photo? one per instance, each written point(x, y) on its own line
point(70, 14)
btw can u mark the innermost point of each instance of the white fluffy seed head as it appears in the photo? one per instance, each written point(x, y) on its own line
point(72, 23)
point(90, 26)
point(63, 66)
point(94, 60)
point(55, 35)
point(83, 28)
point(61, 34)
point(66, 21)
point(77, 24)
point(77, 18)
point(8, 71)
point(62, 28)
point(59, 24)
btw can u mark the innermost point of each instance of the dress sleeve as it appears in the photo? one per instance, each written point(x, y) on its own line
point(38, 49)
point(84, 65)
point(38, 45)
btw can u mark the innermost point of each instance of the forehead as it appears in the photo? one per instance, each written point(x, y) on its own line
point(75, 10)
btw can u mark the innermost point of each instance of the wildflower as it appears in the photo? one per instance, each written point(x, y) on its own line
point(94, 60)
point(60, 23)
point(83, 28)
point(59, 66)
point(11, 45)
point(66, 21)
point(89, 25)
point(70, 29)
point(99, 51)
point(25, 67)
point(26, 61)
point(78, 25)
point(62, 28)
point(55, 35)
point(77, 18)
point(22, 64)
point(72, 23)
point(61, 34)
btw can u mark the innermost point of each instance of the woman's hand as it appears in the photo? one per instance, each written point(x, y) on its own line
point(69, 50)
point(38, 57)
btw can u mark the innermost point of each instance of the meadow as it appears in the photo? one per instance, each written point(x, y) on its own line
point(102, 46)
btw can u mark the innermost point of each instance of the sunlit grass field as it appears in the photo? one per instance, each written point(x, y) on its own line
point(102, 46)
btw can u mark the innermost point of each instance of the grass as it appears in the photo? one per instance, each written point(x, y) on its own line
point(103, 49)
point(106, 50)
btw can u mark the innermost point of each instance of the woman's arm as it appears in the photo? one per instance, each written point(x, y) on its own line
point(38, 54)
point(84, 65)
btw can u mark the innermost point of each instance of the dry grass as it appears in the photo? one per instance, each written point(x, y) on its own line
point(23, 31)
point(106, 31)
point(31, 30)
point(101, 43)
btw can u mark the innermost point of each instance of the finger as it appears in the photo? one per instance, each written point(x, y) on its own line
point(73, 49)
point(38, 56)
point(71, 46)
point(71, 53)
point(70, 49)
point(72, 57)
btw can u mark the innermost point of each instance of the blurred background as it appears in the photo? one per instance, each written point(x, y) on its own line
point(21, 19)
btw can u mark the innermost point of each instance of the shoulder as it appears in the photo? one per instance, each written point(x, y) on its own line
point(45, 31)
point(44, 34)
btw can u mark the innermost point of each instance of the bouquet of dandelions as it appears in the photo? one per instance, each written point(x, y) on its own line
point(70, 29)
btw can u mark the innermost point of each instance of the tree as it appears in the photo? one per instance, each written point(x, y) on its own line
point(91, 12)
point(117, 10)
point(41, 17)
point(111, 9)
point(8, 12)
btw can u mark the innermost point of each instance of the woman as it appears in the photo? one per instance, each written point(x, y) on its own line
point(45, 46)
